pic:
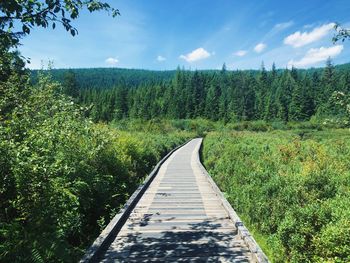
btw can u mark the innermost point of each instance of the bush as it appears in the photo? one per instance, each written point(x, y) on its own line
point(63, 177)
point(292, 190)
point(258, 126)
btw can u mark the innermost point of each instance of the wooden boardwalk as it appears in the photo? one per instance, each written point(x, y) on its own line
point(181, 218)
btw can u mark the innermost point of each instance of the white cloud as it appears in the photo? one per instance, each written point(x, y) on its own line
point(240, 53)
point(282, 26)
point(112, 61)
point(316, 55)
point(299, 39)
point(197, 54)
point(161, 58)
point(259, 47)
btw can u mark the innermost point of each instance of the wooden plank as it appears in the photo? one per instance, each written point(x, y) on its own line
point(192, 219)
point(144, 251)
point(204, 259)
point(181, 225)
point(172, 231)
point(183, 236)
point(183, 215)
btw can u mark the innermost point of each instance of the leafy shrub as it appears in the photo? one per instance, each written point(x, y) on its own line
point(257, 126)
point(64, 177)
point(293, 191)
point(199, 126)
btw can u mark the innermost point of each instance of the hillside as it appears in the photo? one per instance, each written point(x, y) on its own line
point(111, 77)
point(270, 95)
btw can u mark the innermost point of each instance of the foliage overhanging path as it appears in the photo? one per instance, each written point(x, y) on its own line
point(181, 216)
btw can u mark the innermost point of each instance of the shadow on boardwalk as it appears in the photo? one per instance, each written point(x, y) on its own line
point(204, 241)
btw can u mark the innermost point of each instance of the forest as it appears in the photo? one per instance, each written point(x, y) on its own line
point(271, 95)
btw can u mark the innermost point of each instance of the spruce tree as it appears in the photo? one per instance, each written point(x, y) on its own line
point(262, 92)
point(70, 84)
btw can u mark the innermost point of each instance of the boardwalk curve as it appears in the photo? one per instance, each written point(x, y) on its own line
point(180, 215)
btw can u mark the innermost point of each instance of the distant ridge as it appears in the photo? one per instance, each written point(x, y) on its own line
point(112, 77)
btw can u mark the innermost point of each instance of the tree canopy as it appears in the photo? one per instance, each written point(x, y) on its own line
point(17, 18)
point(270, 95)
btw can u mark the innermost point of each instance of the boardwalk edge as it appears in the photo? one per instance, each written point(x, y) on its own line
point(242, 230)
point(102, 242)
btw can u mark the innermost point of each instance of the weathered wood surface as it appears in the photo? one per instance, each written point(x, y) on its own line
point(182, 217)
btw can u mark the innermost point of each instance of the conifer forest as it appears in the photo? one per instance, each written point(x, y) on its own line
point(270, 95)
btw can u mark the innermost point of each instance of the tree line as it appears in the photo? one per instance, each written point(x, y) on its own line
point(271, 95)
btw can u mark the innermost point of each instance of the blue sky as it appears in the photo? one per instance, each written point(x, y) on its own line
point(197, 34)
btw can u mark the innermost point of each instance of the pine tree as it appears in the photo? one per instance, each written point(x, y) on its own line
point(261, 92)
point(223, 100)
point(70, 84)
point(198, 94)
point(273, 71)
point(309, 107)
point(121, 103)
point(212, 99)
point(327, 89)
point(284, 95)
point(249, 98)
point(344, 83)
point(296, 107)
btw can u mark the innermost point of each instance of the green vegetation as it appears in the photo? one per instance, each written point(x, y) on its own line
point(228, 96)
point(107, 78)
point(17, 18)
point(290, 187)
point(72, 153)
point(64, 177)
